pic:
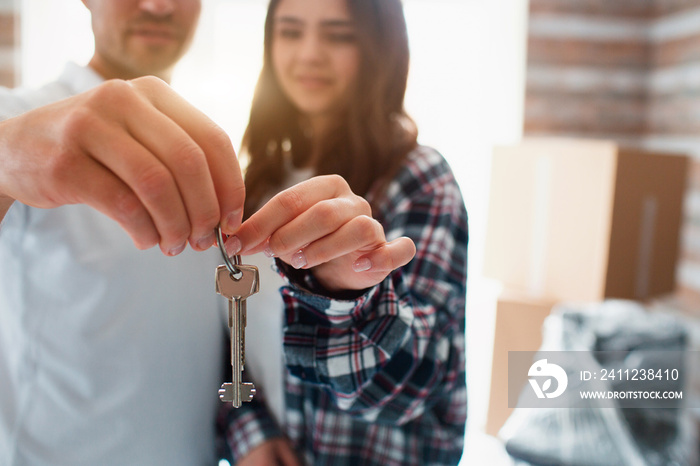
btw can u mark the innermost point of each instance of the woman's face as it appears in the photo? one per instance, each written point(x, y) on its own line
point(315, 55)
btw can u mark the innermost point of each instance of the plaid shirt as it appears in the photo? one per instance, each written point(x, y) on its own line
point(378, 379)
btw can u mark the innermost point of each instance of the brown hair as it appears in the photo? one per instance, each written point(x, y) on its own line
point(374, 134)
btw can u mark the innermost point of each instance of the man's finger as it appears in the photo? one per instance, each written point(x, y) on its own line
point(149, 179)
point(103, 191)
point(221, 158)
point(188, 165)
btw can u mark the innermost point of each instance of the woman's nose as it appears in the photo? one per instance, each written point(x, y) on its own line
point(311, 48)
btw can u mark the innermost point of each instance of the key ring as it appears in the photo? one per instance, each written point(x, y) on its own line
point(231, 266)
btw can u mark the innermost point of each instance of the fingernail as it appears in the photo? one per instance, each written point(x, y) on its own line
point(298, 260)
point(233, 246)
point(362, 265)
point(177, 250)
point(233, 221)
point(206, 241)
point(267, 251)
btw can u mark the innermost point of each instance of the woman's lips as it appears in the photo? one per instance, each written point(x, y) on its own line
point(313, 82)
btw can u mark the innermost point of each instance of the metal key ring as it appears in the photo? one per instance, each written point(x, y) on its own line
point(231, 266)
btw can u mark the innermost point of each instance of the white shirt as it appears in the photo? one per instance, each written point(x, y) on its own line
point(263, 340)
point(265, 318)
point(108, 355)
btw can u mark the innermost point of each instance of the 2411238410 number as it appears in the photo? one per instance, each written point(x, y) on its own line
point(639, 374)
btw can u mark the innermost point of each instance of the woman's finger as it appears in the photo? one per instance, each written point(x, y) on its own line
point(291, 203)
point(386, 258)
point(357, 271)
point(319, 221)
point(358, 235)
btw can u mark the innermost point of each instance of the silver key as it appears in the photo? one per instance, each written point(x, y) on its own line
point(236, 288)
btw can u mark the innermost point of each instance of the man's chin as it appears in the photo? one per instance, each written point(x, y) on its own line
point(154, 64)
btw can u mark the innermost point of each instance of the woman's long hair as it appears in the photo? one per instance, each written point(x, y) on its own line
point(373, 135)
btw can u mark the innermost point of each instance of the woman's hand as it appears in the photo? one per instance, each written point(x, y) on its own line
point(320, 224)
point(275, 452)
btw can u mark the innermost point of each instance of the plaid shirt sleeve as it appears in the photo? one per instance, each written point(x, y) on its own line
point(390, 353)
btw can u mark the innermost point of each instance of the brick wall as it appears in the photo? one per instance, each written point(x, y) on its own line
point(627, 70)
point(9, 43)
point(586, 68)
point(673, 111)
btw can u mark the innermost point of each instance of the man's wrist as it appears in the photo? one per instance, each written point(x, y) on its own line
point(5, 203)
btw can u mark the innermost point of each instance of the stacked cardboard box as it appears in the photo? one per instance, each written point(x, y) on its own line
point(518, 325)
point(575, 220)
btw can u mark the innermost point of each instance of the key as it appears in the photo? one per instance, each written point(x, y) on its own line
point(237, 288)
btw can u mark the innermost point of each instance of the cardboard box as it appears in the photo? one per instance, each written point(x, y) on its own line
point(584, 220)
point(518, 327)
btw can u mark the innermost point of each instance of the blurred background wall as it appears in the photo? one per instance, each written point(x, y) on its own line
point(625, 70)
point(9, 43)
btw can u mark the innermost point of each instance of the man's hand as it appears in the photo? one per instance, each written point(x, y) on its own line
point(135, 151)
point(275, 452)
point(322, 225)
